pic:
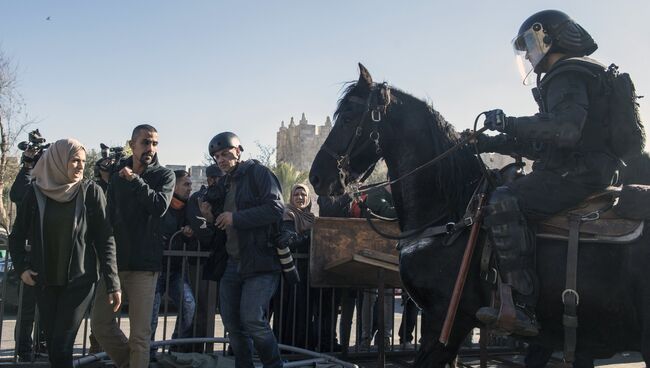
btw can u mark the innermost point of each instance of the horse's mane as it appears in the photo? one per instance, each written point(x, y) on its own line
point(456, 175)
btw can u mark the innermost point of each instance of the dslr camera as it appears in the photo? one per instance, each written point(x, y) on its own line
point(215, 194)
point(34, 144)
point(112, 158)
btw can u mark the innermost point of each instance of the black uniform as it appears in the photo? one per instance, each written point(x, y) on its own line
point(568, 141)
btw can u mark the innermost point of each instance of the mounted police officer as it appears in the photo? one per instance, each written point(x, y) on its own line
point(567, 139)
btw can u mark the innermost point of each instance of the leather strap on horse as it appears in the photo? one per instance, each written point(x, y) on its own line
point(570, 296)
point(462, 273)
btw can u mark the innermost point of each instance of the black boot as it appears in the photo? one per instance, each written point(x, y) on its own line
point(525, 321)
point(515, 252)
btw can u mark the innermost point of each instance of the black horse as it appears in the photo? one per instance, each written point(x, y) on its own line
point(375, 121)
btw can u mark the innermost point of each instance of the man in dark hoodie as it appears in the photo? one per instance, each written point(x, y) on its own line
point(174, 279)
point(138, 197)
point(252, 205)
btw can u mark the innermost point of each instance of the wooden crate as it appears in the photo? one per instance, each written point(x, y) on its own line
point(347, 252)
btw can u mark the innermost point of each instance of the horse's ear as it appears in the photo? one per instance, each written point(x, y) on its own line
point(364, 77)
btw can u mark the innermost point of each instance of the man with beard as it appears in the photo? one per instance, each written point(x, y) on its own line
point(138, 197)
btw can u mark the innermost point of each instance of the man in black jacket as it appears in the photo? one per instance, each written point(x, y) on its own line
point(252, 204)
point(138, 196)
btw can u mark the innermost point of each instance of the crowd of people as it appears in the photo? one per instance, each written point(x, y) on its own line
point(81, 245)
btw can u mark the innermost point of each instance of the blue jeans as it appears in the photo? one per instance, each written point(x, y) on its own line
point(244, 307)
point(178, 286)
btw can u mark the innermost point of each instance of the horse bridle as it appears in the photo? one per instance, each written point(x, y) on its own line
point(376, 111)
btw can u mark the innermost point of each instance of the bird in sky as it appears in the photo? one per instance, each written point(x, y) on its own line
point(48, 18)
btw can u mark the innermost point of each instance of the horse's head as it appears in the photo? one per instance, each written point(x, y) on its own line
point(352, 146)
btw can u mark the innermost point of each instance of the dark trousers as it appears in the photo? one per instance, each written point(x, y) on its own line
point(292, 322)
point(62, 308)
point(409, 320)
point(324, 306)
point(24, 328)
point(542, 193)
point(350, 298)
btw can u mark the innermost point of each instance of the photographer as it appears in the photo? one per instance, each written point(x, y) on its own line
point(103, 173)
point(252, 205)
point(63, 217)
point(32, 151)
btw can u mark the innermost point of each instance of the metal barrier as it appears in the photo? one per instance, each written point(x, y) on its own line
point(308, 321)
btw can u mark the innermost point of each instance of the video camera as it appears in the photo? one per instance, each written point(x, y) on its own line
point(111, 158)
point(35, 143)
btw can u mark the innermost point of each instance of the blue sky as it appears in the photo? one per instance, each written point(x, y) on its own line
point(195, 68)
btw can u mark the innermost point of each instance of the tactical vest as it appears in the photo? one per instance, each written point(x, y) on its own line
point(595, 132)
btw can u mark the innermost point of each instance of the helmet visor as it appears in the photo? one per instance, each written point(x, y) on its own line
point(530, 49)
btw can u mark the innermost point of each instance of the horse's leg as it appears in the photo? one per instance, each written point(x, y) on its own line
point(537, 356)
point(434, 354)
point(643, 305)
point(583, 361)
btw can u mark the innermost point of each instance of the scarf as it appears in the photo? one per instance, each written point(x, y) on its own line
point(303, 219)
point(177, 203)
point(50, 173)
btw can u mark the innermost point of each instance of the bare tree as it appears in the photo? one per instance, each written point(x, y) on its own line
point(13, 122)
point(266, 154)
point(92, 156)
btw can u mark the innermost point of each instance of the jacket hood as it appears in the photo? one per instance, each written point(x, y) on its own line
point(243, 167)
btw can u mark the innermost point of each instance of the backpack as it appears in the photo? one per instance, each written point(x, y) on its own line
point(627, 135)
point(625, 132)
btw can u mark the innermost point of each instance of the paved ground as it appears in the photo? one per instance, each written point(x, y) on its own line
point(628, 360)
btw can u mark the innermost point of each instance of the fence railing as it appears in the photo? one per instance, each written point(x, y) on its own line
point(326, 320)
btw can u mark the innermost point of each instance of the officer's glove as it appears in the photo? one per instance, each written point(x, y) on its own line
point(484, 143)
point(496, 120)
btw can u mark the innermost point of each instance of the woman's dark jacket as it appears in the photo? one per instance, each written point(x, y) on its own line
point(92, 238)
point(135, 209)
point(259, 204)
point(289, 237)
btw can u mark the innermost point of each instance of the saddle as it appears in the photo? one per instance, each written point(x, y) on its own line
point(600, 221)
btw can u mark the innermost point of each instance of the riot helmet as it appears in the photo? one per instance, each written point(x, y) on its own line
point(549, 31)
point(224, 140)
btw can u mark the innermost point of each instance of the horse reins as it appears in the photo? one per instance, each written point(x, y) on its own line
point(343, 161)
point(375, 110)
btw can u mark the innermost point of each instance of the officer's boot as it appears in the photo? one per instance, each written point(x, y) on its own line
point(515, 254)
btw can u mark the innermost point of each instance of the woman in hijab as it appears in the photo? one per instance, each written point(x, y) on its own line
point(63, 218)
point(295, 231)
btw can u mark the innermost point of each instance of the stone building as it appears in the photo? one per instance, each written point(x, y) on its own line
point(197, 174)
point(297, 144)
